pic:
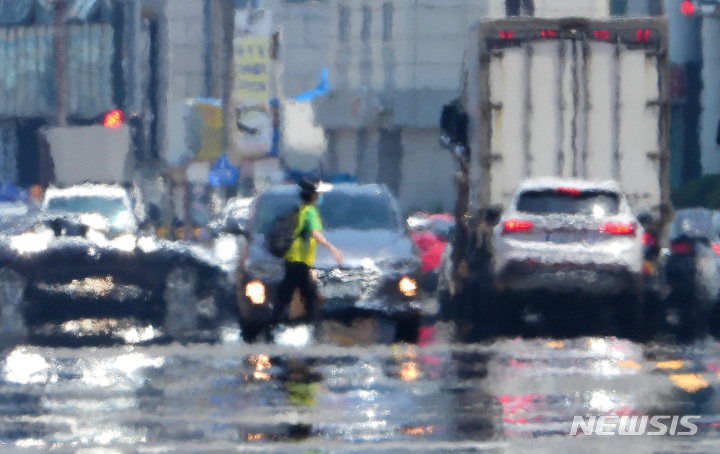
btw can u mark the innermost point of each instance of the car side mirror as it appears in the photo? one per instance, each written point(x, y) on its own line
point(236, 227)
point(493, 213)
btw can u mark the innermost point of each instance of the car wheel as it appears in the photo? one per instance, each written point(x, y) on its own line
point(407, 328)
point(251, 332)
point(181, 298)
point(629, 309)
point(13, 326)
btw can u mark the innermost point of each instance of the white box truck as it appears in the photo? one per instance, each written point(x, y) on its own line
point(569, 98)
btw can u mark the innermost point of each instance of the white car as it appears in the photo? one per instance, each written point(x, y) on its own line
point(111, 203)
point(568, 235)
point(575, 238)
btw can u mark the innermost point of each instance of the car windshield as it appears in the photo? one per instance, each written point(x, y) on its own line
point(695, 223)
point(590, 203)
point(357, 211)
point(113, 209)
point(338, 210)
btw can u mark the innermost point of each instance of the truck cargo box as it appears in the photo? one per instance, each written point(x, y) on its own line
point(568, 98)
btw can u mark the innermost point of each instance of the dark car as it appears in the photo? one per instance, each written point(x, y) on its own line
point(57, 267)
point(692, 270)
point(380, 268)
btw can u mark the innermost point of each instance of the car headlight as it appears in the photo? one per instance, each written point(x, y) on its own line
point(255, 291)
point(408, 286)
point(226, 249)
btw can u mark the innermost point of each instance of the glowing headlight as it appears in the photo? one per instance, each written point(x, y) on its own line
point(124, 243)
point(408, 286)
point(255, 290)
point(226, 249)
point(30, 242)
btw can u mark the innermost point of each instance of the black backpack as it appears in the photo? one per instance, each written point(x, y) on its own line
point(282, 233)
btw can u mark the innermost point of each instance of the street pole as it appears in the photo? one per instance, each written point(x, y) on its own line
point(228, 109)
point(60, 46)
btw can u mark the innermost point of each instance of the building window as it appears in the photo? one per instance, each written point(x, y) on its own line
point(387, 21)
point(519, 7)
point(344, 23)
point(366, 24)
point(618, 7)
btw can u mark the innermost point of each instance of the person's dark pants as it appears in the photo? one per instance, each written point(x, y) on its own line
point(297, 276)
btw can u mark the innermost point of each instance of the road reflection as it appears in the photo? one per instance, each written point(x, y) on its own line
point(322, 397)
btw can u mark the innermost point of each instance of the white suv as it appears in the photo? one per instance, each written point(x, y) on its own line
point(568, 235)
point(572, 237)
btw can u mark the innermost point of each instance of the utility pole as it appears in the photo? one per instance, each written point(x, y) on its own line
point(227, 8)
point(60, 46)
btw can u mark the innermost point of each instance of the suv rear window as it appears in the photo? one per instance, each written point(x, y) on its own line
point(550, 201)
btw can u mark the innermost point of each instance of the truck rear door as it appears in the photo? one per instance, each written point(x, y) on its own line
point(577, 100)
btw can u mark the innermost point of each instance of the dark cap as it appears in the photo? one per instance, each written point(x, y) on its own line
point(306, 185)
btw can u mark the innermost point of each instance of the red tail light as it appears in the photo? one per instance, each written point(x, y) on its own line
point(506, 34)
point(642, 35)
point(716, 248)
point(568, 191)
point(602, 34)
point(517, 225)
point(648, 239)
point(681, 247)
point(618, 228)
point(547, 34)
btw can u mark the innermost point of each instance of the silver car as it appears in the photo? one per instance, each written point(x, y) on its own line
point(575, 237)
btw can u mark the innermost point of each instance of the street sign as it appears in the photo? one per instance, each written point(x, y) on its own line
point(223, 173)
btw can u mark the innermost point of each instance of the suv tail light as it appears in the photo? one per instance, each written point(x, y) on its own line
point(517, 225)
point(618, 228)
point(682, 247)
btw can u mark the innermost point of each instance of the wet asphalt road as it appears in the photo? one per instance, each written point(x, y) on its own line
point(343, 393)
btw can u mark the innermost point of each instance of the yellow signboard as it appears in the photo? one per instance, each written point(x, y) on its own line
point(211, 132)
point(252, 70)
point(204, 126)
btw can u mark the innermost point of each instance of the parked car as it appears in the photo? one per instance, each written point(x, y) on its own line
point(693, 271)
point(573, 237)
point(430, 232)
point(111, 205)
point(380, 270)
point(82, 257)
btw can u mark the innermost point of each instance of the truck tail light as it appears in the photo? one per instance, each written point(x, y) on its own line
point(642, 35)
point(603, 35)
point(517, 225)
point(618, 228)
point(505, 34)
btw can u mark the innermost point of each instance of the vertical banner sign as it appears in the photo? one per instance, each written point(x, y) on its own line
point(204, 128)
point(252, 69)
point(211, 132)
point(252, 88)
